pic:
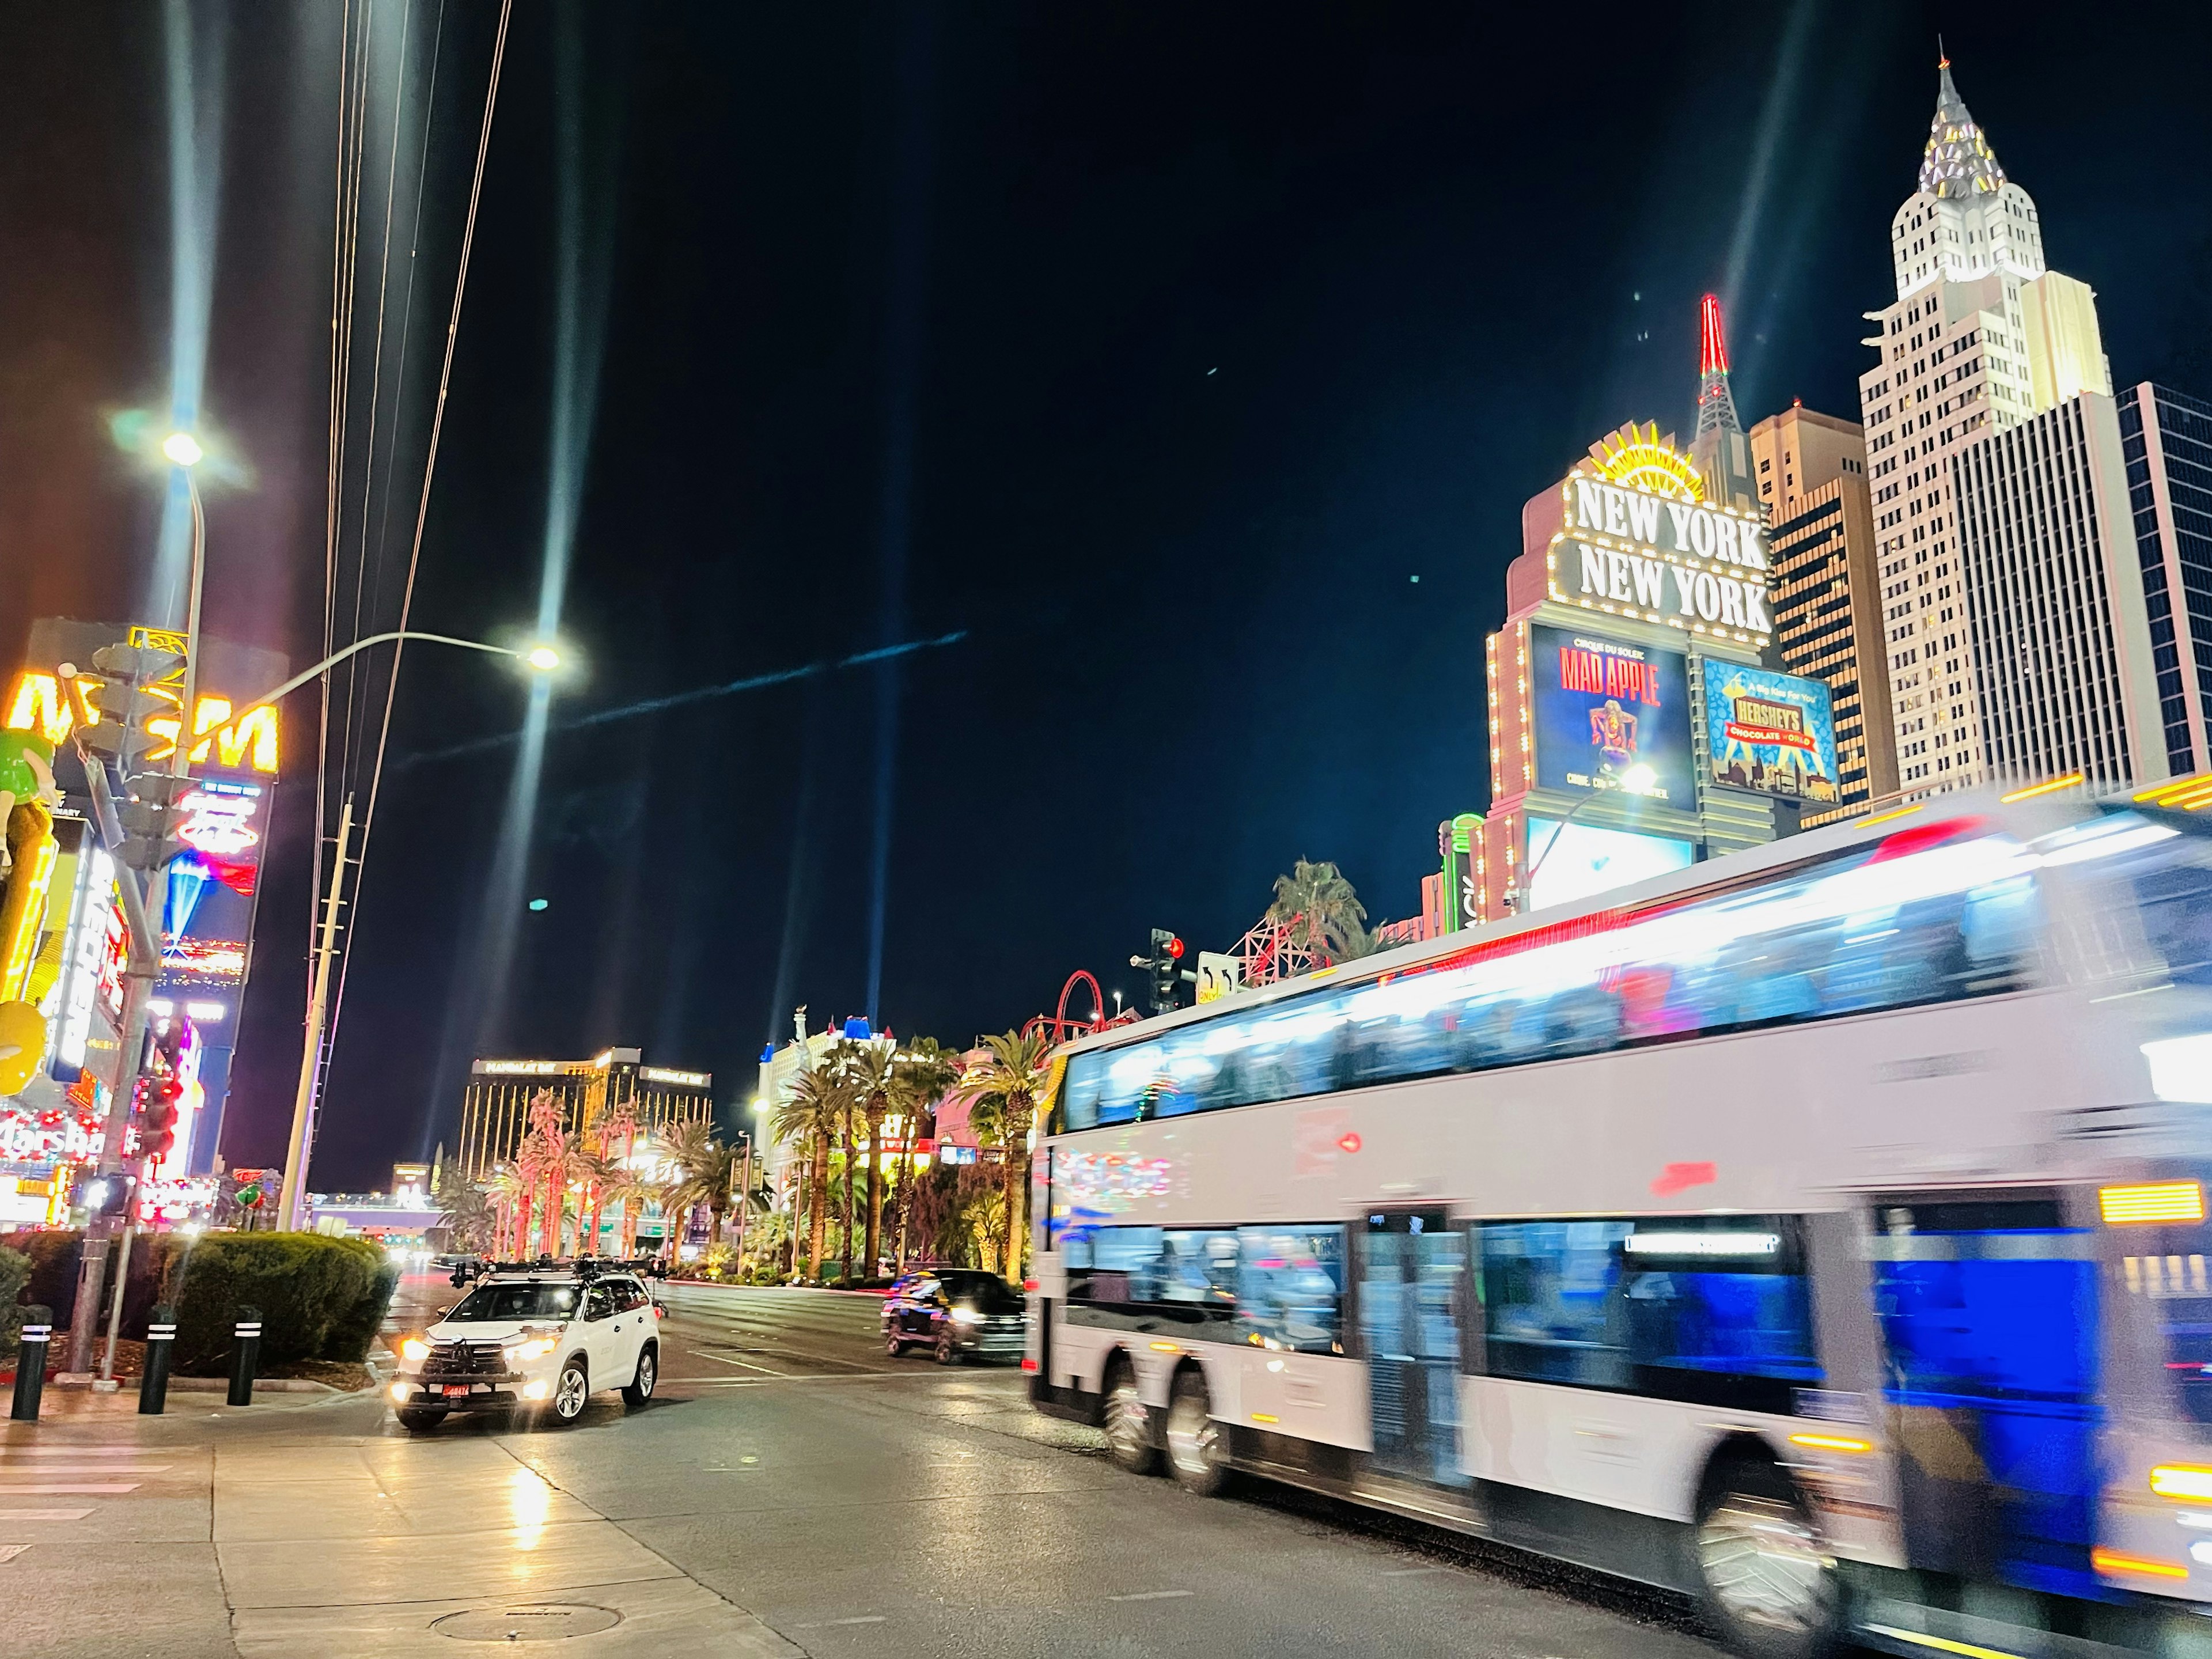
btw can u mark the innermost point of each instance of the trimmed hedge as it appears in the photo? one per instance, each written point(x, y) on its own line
point(321, 1297)
point(53, 1276)
point(15, 1273)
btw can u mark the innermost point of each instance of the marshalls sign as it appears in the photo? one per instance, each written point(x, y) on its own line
point(1631, 552)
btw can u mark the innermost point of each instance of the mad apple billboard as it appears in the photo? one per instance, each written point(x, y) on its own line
point(1772, 732)
point(1608, 715)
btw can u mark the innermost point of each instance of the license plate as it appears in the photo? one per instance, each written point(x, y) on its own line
point(455, 1394)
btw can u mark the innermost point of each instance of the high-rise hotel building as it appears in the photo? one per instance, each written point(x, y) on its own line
point(2012, 610)
point(1811, 475)
point(2167, 441)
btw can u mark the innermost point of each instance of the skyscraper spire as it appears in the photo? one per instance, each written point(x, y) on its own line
point(1719, 449)
point(1958, 162)
point(1715, 402)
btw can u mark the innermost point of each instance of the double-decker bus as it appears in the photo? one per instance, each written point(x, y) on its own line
point(1820, 1232)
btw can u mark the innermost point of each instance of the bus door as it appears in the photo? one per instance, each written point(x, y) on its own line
point(1987, 1308)
point(1410, 1288)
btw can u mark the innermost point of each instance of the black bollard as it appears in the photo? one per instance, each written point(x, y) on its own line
point(245, 1349)
point(31, 1363)
point(160, 1339)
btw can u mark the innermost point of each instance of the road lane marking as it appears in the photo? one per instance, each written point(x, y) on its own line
point(10, 1552)
point(701, 1353)
point(43, 1515)
point(1153, 1596)
point(70, 1489)
point(43, 1470)
point(832, 1624)
point(1413, 1572)
point(82, 1452)
point(809, 1376)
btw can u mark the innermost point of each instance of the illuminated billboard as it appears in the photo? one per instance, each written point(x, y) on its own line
point(1578, 859)
point(38, 699)
point(1647, 547)
point(1772, 732)
point(1610, 716)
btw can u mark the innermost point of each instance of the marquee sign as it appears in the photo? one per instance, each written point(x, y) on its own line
point(37, 701)
point(1630, 550)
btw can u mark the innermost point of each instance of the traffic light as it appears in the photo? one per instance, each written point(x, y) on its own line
point(1167, 969)
point(126, 703)
point(160, 1091)
point(150, 820)
point(106, 1195)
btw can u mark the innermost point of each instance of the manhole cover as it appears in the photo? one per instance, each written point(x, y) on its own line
point(527, 1621)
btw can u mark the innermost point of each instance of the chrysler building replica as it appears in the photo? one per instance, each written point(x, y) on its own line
point(1982, 338)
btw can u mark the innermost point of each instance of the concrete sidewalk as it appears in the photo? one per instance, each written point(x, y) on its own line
point(317, 1526)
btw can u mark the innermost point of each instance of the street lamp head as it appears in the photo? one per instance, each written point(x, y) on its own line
point(182, 449)
point(543, 658)
point(1639, 778)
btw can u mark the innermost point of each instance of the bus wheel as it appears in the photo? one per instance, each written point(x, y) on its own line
point(1197, 1456)
point(1128, 1421)
point(1769, 1588)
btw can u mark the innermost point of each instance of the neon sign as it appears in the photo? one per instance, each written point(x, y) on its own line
point(218, 821)
point(38, 702)
point(1642, 548)
point(88, 939)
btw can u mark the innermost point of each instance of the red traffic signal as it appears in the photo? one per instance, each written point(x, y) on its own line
point(1175, 947)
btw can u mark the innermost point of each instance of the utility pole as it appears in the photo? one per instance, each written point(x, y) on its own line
point(292, 1198)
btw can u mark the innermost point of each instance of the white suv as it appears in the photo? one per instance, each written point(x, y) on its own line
point(539, 1339)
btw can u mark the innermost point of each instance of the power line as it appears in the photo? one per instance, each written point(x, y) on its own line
point(421, 513)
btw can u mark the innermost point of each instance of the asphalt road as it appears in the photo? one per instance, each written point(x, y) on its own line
point(792, 1490)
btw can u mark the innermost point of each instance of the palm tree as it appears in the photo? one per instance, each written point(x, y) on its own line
point(594, 1173)
point(1320, 910)
point(1013, 1076)
point(466, 1212)
point(925, 1072)
point(1357, 941)
point(814, 1103)
point(707, 1171)
point(510, 1198)
point(869, 1069)
point(633, 1192)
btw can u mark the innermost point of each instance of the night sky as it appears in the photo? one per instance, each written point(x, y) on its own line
point(1190, 364)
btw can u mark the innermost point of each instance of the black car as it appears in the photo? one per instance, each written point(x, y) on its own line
point(955, 1312)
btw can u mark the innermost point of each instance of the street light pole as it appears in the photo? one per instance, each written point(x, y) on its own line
point(1637, 775)
point(300, 1145)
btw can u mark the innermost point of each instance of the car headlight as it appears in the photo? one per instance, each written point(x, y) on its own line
point(414, 1350)
point(536, 1348)
point(966, 1316)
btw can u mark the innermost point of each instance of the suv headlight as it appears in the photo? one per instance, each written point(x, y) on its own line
point(536, 1348)
point(966, 1317)
point(414, 1350)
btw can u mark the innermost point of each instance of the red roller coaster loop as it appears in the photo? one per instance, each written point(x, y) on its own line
point(1057, 1028)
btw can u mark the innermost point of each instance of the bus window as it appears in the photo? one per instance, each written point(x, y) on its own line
point(1855, 935)
point(1274, 1286)
point(2165, 1271)
point(1290, 1288)
point(1146, 1278)
point(1712, 1310)
point(2148, 920)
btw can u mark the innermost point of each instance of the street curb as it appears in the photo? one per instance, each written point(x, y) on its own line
point(261, 1384)
point(815, 1290)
